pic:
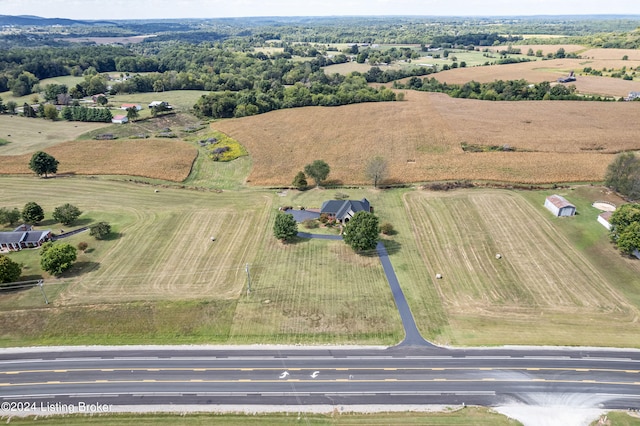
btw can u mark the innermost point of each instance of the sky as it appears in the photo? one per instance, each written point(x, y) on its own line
point(158, 9)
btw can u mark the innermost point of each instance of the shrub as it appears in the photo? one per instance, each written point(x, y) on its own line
point(386, 228)
point(100, 230)
point(310, 224)
point(82, 246)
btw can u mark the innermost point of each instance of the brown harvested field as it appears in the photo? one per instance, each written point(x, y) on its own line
point(551, 70)
point(612, 54)
point(154, 158)
point(421, 139)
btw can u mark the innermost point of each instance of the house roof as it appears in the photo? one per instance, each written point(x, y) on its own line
point(340, 208)
point(23, 237)
point(559, 201)
point(119, 117)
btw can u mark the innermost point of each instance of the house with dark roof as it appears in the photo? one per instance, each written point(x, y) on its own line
point(343, 210)
point(23, 237)
point(559, 206)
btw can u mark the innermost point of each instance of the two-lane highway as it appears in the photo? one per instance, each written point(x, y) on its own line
point(611, 379)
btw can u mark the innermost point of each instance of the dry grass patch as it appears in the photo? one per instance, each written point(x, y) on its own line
point(26, 135)
point(421, 139)
point(160, 159)
point(541, 291)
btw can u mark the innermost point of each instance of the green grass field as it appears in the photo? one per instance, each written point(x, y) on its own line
point(470, 415)
point(559, 280)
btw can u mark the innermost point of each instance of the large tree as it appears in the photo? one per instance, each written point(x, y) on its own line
point(57, 258)
point(9, 216)
point(361, 232)
point(376, 170)
point(623, 175)
point(625, 228)
point(32, 213)
point(10, 271)
point(300, 181)
point(42, 163)
point(100, 230)
point(285, 227)
point(318, 171)
point(66, 214)
point(132, 113)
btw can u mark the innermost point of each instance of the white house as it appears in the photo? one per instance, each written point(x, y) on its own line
point(559, 206)
point(603, 219)
point(125, 107)
point(119, 119)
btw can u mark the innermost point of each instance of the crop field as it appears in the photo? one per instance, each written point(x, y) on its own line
point(27, 135)
point(541, 290)
point(154, 158)
point(549, 70)
point(421, 139)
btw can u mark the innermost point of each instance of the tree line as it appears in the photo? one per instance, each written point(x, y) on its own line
point(499, 90)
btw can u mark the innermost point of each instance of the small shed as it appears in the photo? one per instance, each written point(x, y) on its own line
point(603, 219)
point(119, 119)
point(559, 206)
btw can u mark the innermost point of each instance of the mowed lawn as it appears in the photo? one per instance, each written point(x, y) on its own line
point(160, 278)
point(316, 291)
point(542, 290)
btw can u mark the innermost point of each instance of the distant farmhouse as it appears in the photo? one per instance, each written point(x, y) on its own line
point(23, 237)
point(343, 210)
point(632, 96)
point(164, 104)
point(138, 107)
point(119, 119)
point(559, 206)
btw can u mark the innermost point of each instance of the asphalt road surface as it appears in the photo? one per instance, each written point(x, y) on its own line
point(400, 375)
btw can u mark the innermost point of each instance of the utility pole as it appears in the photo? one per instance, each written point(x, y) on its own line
point(41, 283)
point(246, 268)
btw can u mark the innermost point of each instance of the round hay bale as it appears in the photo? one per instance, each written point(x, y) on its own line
point(438, 276)
point(213, 238)
point(498, 256)
point(156, 191)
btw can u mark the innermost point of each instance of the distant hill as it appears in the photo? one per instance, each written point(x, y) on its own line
point(28, 20)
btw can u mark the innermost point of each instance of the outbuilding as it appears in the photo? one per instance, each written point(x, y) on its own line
point(119, 119)
point(603, 219)
point(559, 206)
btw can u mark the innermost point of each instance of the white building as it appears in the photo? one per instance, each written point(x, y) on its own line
point(603, 219)
point(559, 206)
point(119, 119)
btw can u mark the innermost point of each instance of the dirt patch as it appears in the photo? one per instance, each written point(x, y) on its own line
point(604, 206)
